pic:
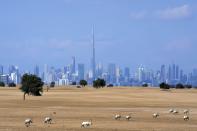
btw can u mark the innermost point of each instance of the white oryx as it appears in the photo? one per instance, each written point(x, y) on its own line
point(117, 117)
point(28, 122)
point(47, 120)
point(155, 115)
point(86, 124)
point(185, 118)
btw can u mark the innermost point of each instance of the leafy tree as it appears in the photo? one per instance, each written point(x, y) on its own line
point(2, 84)
point(31, 85)
point(145, 85)
point(83, 82)
point(164, 86)
point(99, 83)
point(74, 83)
point(180, 86)
point(52, 84)
point(12, 84)
point(188, 86)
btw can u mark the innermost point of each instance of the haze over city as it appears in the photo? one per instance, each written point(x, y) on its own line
point(128, 33)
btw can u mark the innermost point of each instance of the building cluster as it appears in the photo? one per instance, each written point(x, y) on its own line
point(112, 74)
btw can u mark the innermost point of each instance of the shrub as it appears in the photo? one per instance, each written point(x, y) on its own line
point(164, 86)
point(12, 84)
point(2, 84)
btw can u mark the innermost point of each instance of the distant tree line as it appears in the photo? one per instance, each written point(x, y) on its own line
point(12, 84)
point(177, 86)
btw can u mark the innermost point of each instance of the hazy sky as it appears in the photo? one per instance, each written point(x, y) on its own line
point(127, 32)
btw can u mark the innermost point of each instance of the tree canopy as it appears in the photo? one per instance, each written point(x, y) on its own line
point(2, 84)
point(99, 83)
point(31, 85)
point(83, 82)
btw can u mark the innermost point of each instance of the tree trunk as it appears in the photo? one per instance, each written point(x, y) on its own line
point(24, 96)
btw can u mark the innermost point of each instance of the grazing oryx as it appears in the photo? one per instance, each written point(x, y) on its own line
point(48, 120)
point(86, 124)
point(155, 115)
point(175, 112)
point(28, 122)
point(186, 118)
point(171, 110)
point(117, 117)
point(186, 111)
point(128, 117)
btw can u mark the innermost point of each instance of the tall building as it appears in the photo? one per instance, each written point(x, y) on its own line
point(163, 74)
point(11, 69)
point(169, 73)
point(36, 70)
point(73, 67)
point(112, 73)
point(46, 71)
point(127, 72)
point(1, 70)
point(141, 74)
point(81, 71)
point(177, 72)
point(93, 56)
point(99, 70)
point(173, 72)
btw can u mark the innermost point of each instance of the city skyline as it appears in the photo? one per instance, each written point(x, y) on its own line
point(128, 33)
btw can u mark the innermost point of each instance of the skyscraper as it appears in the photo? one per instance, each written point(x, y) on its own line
point(93, 56)
point(177, 72)
point(1, 70)
point(81, 71)
point(163, 73)
point(73, 65)
point(36, 70)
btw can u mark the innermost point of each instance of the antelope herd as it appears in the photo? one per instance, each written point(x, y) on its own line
point(85, 124)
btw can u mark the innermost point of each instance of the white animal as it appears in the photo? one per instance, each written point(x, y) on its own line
point(48, 120)
point(128, 117)
point(117, 117)
point(28, 122)
point(171, 110)
point(86, 124)
point(155, 115)
point(175, 112)
point(186, 118)
point(186, 111)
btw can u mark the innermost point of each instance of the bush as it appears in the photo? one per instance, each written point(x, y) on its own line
point(180, 86)
point(2, 84)
point(110, 85)
point(52, 84)
point(83, 82)
point(74, 83)
point(164, 86)
point(188, 86)
point(145, 85)
point(12, 84)
point(99, 83)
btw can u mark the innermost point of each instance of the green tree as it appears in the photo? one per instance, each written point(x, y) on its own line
point(12, 84)
point(179, 86)
point(83, 82)
point(99, 83)
point(145, 85)
point(52, 84)
point(164, 86)
point(31, 85)
point(2, 84)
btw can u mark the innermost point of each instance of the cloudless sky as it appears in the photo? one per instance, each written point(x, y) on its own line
point(127, 32)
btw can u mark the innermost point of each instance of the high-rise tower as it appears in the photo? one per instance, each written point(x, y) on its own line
point(93, 56)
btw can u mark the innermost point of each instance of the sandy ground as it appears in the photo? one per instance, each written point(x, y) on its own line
point(72, 106)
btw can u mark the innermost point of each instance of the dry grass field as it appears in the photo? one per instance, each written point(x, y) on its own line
point(72, 106)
